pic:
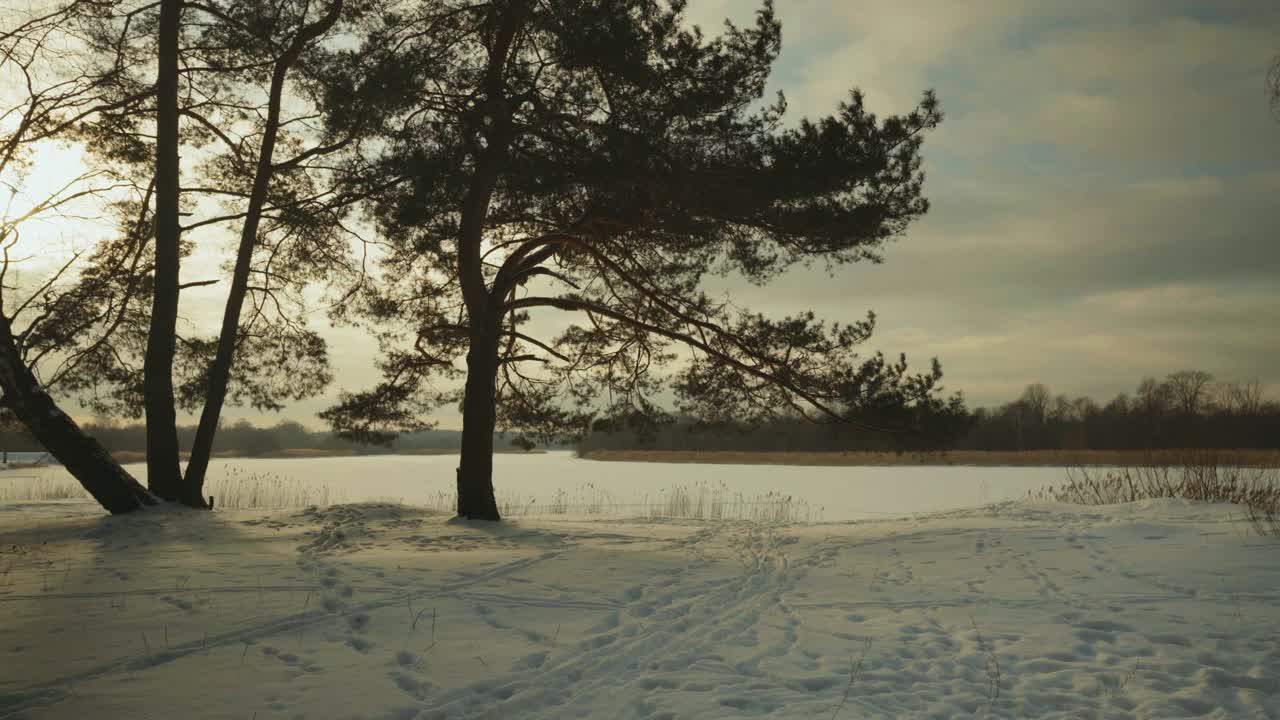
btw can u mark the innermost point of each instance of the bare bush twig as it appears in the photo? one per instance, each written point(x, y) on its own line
point(854, 670)
point(992, 667)
point(1198, 475)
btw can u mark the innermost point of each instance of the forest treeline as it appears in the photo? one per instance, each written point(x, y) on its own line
point(243, 438)
point(1188, 408)
point(1185, 409)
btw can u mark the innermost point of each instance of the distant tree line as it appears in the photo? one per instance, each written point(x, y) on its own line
point(1188, 408)
point(246, 439)
point(932, 425)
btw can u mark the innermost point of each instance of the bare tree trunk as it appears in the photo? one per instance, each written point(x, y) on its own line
point(479, 411)
point(85, 458)
point(164, 473)
point(220, 370)
point(479, 416)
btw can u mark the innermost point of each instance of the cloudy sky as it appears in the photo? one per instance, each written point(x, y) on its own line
point(1105, 188)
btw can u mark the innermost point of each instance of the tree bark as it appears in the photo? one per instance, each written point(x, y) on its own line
point(479, 416)
point(85, 458)
point(164, 472)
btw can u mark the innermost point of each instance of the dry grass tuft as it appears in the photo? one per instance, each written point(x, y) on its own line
point(237, 489)
point(242, 490)
point(39, 487)
point(1201, 475)
point(705, 501)
point(701, 501)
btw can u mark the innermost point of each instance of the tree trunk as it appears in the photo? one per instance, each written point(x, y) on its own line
point(479, 411)
point(479, 415)
point(229, 336)
point(220, 370)
point(85, 458)
point(164, 472)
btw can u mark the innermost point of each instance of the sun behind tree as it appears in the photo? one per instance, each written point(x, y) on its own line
point(602, 158)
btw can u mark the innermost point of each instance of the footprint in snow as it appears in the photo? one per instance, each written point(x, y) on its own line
point(359, 644)
point(655, 683)
point(750, 705)
point(533, 661)
point(414, 687)
point(409, 661)
point(358, 622)
point(290, 659)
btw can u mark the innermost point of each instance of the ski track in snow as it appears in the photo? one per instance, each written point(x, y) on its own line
point(1153, 610)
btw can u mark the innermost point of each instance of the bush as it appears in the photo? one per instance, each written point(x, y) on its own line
point(1200, 475)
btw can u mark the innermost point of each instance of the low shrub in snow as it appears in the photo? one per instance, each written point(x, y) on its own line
point(1200, 475)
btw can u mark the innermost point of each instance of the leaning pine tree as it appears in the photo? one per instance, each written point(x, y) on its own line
point(601, 159)
point(60, 323)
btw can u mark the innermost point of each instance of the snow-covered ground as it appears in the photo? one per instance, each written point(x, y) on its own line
point(1153, 610)
point(833, 493)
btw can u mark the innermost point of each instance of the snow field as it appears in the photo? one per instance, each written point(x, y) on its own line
point(557, 483)
point(1160, 609)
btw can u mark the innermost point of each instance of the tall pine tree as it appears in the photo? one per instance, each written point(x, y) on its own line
point(602, 159)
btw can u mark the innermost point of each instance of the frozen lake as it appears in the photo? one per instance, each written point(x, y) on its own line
point(540, 480)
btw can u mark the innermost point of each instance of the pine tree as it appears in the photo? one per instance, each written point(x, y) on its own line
point(601, 158)
point(232, 107)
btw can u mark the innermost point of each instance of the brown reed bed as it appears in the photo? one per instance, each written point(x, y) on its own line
point(981, 458)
